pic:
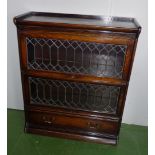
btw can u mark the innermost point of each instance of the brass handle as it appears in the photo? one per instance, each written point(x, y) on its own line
point(93, 125)
point(48, 122)
point(49, 119)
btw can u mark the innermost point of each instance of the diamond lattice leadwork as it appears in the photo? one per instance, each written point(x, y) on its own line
point(74, 95)
point(102, 60)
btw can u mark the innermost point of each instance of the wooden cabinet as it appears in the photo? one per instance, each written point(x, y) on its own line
point(75, 72)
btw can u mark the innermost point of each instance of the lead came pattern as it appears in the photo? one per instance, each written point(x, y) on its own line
point(102, 60)
point(73, 95)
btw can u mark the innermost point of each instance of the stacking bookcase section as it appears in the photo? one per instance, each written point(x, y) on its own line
point(75, 72)
point(73, 95)
point(88, 58)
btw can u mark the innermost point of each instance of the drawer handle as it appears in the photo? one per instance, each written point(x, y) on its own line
point(93, 125)
point(48, 120)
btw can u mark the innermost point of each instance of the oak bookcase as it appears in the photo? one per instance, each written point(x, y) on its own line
point(75, 73)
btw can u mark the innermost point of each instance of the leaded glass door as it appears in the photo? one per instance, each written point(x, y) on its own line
point(74, 74)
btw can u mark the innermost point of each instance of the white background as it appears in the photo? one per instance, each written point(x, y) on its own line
point(136, 103)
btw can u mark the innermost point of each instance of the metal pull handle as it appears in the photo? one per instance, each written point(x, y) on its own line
point(93, 125)
point(48, 120)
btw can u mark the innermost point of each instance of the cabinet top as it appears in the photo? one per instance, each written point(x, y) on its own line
point(76, 21)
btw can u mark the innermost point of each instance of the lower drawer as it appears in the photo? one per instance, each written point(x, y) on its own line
point(50, 120)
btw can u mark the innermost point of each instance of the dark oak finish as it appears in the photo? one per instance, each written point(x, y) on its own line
point(75, 72)
point(78, 21)
point(75, 122)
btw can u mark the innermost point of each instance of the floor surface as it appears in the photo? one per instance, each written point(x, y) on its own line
point(133, 141)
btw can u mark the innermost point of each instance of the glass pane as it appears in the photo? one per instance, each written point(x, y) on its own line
point(74, 95)
point(102, 60)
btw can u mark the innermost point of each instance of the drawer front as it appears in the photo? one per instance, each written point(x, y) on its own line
point(74, 95)
point(71, 122)
point(86, 58)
